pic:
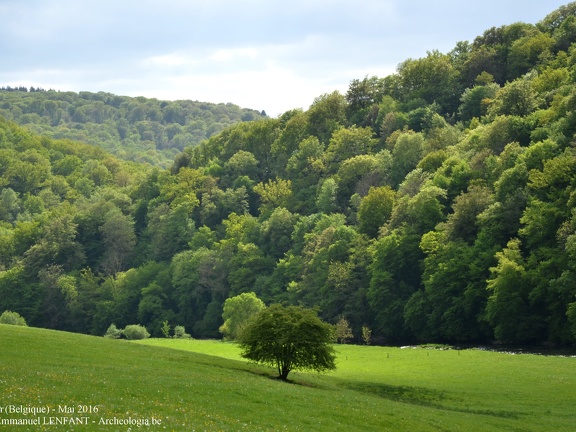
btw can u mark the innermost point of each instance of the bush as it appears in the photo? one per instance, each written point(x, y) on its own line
point(165, 329)
point(135, 331)
point(180, 333)
point(113, 332)
point(12, 318)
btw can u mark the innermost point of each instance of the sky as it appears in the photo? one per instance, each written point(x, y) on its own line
point(265, 55)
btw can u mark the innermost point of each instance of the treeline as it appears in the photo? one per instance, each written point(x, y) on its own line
point(137, 129)
point(22, 89)
point(433, 205)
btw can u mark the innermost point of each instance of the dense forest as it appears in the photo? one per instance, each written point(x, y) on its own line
point(132, 128)
point(436, 204)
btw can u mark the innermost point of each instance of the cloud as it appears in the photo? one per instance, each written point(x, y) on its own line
point(234, 53)
point(263, 54)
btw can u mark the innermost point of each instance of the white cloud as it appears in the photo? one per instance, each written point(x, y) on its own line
point(234, 53)
point(167, 60)
point(262, 54)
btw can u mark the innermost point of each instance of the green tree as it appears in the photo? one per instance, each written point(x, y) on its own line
point(342, 331)
point(516, 98)
point(475, 100)
point(432, 78)
point(57, 246)
point(526, 52)
point(408, 151)
point(394, 278)
point(289, 338)
point(346, 143)
point(276, 232)
point(375, 209)
point(238, 311)
point(274, 193)
point(119, 240)
point(326, 115)
point(9, 205)
point(509, 310)
point(326, 200)
point(241, 163)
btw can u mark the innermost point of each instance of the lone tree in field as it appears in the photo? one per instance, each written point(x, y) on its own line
point(289, 338)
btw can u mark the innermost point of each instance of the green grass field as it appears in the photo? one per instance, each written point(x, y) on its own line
point(204, 385)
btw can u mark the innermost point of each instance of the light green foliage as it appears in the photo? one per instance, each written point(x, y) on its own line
point(408, 151)
point(166, 329)
point(180, 333)
point(113, 332)
point(237, 313)
point(326, 115)
point(135, 331)
point(326, 200)
point(138, 129)
point(12, 318)
point(508, 308)
point(516, 98)
point(290, 338)
point(366, 335)
point(274, 193)
point(346, 143)
point(527, 51)
point(342, 331)
point(375, 209)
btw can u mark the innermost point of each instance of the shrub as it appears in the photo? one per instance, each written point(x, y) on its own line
point(342, 331)
point(135, 331)
point(165, 329)
point(113, 332)
point(12, 318)
point(366, 335)
point(180, 333)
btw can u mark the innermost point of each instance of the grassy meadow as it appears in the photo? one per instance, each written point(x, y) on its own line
point(167, 384)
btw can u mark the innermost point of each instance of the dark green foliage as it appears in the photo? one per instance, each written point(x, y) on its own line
point(288, 338)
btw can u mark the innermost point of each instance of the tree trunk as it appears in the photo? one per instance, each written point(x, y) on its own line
point(284, 373)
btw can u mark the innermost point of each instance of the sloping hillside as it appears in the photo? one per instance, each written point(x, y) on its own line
point(432, 205)
point(93, 383)
point(133, 128)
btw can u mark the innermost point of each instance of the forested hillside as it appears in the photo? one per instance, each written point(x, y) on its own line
point(132, 128)
point(432, 205)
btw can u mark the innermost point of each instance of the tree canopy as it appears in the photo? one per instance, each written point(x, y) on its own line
point(238, 311)
point(417, 212)
point(132, 128)
point(288, 338)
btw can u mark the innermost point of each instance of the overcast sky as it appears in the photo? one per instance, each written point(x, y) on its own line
point(266, 55)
